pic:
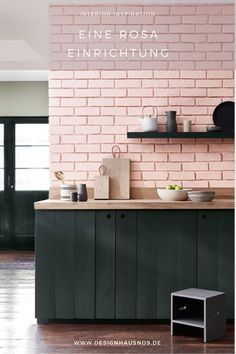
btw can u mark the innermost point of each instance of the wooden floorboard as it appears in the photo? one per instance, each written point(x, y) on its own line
point(20, 334)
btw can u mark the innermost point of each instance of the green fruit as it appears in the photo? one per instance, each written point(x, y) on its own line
point(169, 187)
point(174, 186)
point(178, 188)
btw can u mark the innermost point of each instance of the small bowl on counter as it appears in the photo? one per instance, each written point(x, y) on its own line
point(171, 195)
point(201, 196)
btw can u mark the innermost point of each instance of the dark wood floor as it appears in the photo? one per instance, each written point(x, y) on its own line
point(19, 332)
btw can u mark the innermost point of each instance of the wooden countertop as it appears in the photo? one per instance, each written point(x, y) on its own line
point(224, 202)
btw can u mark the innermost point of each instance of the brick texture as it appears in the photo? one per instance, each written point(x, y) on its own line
point(93, 106)
point(83, 127)
point(197, 37)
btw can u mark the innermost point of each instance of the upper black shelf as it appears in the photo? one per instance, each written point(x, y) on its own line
point(209, 135)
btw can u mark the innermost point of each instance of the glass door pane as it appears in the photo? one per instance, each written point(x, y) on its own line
point(32, 179)
point(1, 157)
point(32, 134)
point(1, 134)
point(31, 157)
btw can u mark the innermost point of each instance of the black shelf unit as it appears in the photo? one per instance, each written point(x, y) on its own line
point(199, 308)
point(182, 135)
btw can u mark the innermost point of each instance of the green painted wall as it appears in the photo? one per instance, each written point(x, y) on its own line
point(23, 98)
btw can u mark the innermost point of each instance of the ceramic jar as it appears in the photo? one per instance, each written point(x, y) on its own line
point(171, 125)
point(82, 193)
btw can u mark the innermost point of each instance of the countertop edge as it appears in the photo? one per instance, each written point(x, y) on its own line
point(131, 204)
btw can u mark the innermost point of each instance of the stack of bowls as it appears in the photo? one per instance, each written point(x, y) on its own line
point(66, 190)
point(201, 196)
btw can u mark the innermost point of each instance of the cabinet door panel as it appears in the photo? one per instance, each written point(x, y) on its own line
point(176, 256)
point(44, 267)
point(64, 264)
point(226, 259)
point(105, 264)
point(126, 264)
point(85, 264)
point(208, 250)
point(216, 253)
point(146, 264)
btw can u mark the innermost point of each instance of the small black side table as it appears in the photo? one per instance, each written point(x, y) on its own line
point(199, 308)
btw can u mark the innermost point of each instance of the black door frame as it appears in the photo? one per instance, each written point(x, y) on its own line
point(9, 166)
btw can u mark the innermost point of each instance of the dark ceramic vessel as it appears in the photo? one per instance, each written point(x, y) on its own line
point(171, 125)
point(82, 193)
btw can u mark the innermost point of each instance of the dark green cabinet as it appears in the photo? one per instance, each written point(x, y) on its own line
point(115, 264)
point(166, 259)
point(125, 257)
point(176, 255)
point(147, 264)
point(216, 253)
point(64, 261)
point(84, 253)
point(105, 265)
point(44, 268)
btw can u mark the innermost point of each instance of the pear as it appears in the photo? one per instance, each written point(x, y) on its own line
point(169, 187)
point(178, 188)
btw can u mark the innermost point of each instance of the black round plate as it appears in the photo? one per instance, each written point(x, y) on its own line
point(223, 115)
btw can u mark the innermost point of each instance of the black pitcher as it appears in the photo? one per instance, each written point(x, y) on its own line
point(171, 125)
point(82, 193)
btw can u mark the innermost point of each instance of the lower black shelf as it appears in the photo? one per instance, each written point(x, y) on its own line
point(195, 322)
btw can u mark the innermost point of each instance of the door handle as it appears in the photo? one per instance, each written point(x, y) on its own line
point(9, 182)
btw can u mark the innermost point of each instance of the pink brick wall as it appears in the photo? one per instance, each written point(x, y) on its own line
point(90, 110)
point(196, 36)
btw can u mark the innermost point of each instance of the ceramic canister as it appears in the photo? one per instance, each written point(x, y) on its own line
point(187, 126)
point(66, 190)
point(171, 125)
point(82, 193)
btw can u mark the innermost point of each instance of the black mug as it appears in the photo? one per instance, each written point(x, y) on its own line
point(74, 197)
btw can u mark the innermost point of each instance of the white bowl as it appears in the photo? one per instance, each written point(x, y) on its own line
point(171, 195)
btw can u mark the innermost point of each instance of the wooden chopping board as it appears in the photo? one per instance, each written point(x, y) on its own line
point(101, 184)
point(118, 170)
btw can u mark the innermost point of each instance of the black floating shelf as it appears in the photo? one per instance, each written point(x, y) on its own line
point(182, 135)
